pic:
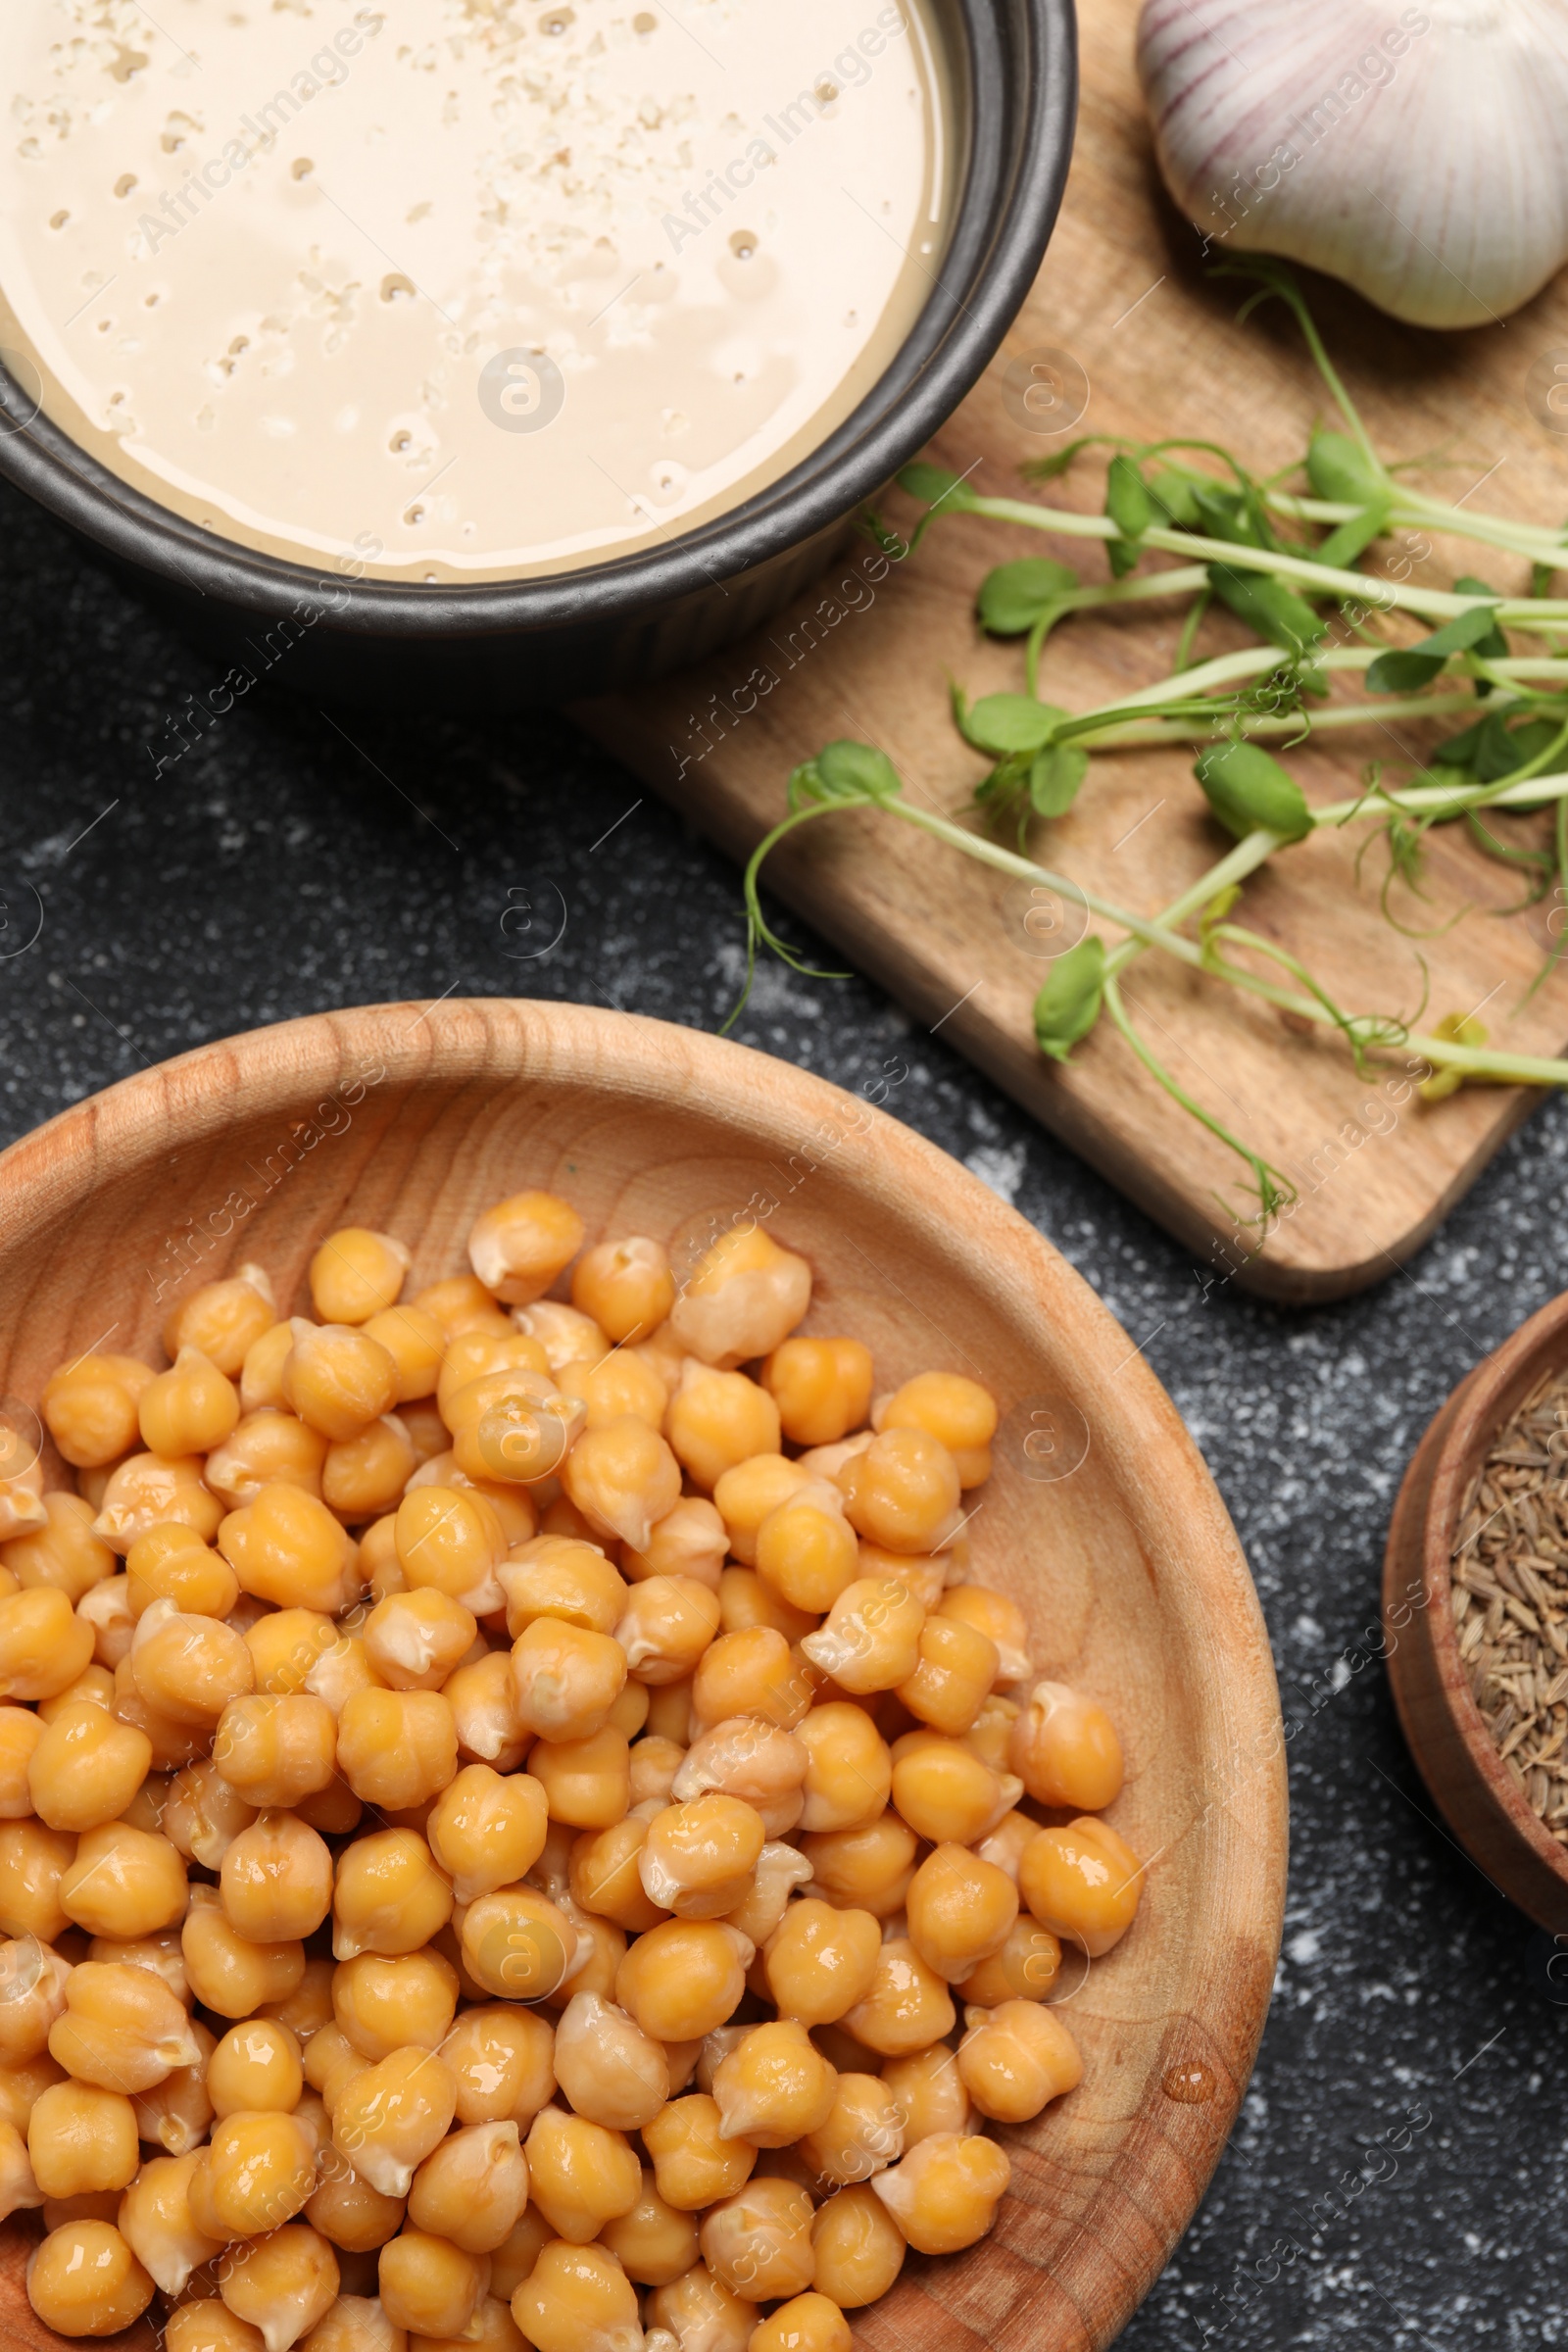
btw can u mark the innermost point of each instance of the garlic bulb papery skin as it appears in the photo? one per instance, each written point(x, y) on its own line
point(1420, 154)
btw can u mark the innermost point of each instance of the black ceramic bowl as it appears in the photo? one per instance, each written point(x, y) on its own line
point(503, 643)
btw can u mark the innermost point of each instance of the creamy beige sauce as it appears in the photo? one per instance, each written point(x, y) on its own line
point(462, 289)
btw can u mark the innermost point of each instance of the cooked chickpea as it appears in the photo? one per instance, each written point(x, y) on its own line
point(999, 1619)
point(1015, 2058)
point(849, 1771)
point(751, 1671)
point(175, 2113)
point(607, 2068)
point(858, 2246)
point(121, 2028)
point(224, 1319)
point(863, 2130)
point(586, 1782)
point(356, 1274)
point(461, 1304)
point(106, 1612)
point(283, 2284)
point(774, 2086)
point(1024, 1967)
point(822, 1388)
point(689, 1541)
point(227, 1972)
point(416, 1639)
point(83, 2279)
point(908, 2005)
point(577, 2298)
point(668, 1624)
point(946, 1793)
point(275, 1748)
point(744, 1298)
point(348, 2212)
point(397, 1748)
point(188, 1667)
point(337, 1378)
point(821, 1960)
point(472, 2190)
point(744, 1600)
point(286, 1645)
point(701, 2314)
point(582, 2174)
point(450, 1538)
point(958, 1665)
point(209, 2325)
point(35, 1982)
point(555, 1575)
point(807, 1550)
point(517, 1943)
point(259, 2169)
point(566, 1335)
point(33, 1861)
point(865, 1868)
point(695, 2164)
point(961, 1910)
point(154, 2217)
point(698, 1859)
point(81, 2138)
point(189, 1410)
point(655, 2242)
point(604, 1875)
point(366, 1475)
point(287, 1547)
point(44, 1646)
point(759, 2241)
point(172, 1563)
point(487, 1831)
point(1065, 1750)
point(22, 2081)
point(268, 1448)
point(1083, 1883)
point(627, 1285)
point(63, 1551)
point(566, 1679)
point(871, 1638)
point(623, 1478)
point(390, 1897)
point(902, 1491)
point(502, 2060)
point(750, 1492)
point(388, 2119)
point(945, 2192)
point(747, 1759)
point(277, 1880)
point(684, 1978)
point(718, 1420)
point(256, 2068)
point(87, 1767)
point(518, 1248)
point(90, 1407)
point(958, 1412)
point(384, 2004)
point(123, 1882)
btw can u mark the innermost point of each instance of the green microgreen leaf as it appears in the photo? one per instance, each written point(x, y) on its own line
point(1248, 790)
point(1008, 722)
point(1351, 538)
point(1127, 498)
point(1054, 775)
point(1409, 667)
point(1068, 1006)
point(1015, 596)
point(1339, 470)
point(846, 771)
point(1266, 605)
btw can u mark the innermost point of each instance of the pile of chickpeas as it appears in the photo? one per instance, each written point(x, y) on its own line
point(513, 1825)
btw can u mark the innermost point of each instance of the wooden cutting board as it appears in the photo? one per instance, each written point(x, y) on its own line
point(1124, 296)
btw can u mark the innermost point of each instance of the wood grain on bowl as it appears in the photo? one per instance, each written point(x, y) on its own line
point(1476, 1793)
point(1100, 1517)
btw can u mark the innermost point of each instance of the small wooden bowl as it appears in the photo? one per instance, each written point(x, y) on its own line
point(1100, 1516)
point(1475, 1791)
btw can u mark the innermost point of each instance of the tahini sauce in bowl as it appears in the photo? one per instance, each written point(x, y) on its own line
point(464, 290)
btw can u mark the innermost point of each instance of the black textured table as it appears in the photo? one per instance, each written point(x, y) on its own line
point(1397, 2176)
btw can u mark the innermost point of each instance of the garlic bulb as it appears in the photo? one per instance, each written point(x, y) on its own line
point(1418, 153)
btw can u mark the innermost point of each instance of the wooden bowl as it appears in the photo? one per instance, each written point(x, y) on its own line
point(1475, 1791)
point(1100, 1517)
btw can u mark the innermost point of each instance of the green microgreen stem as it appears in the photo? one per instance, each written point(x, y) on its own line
point(1325, 578)
point(1273, 1188)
